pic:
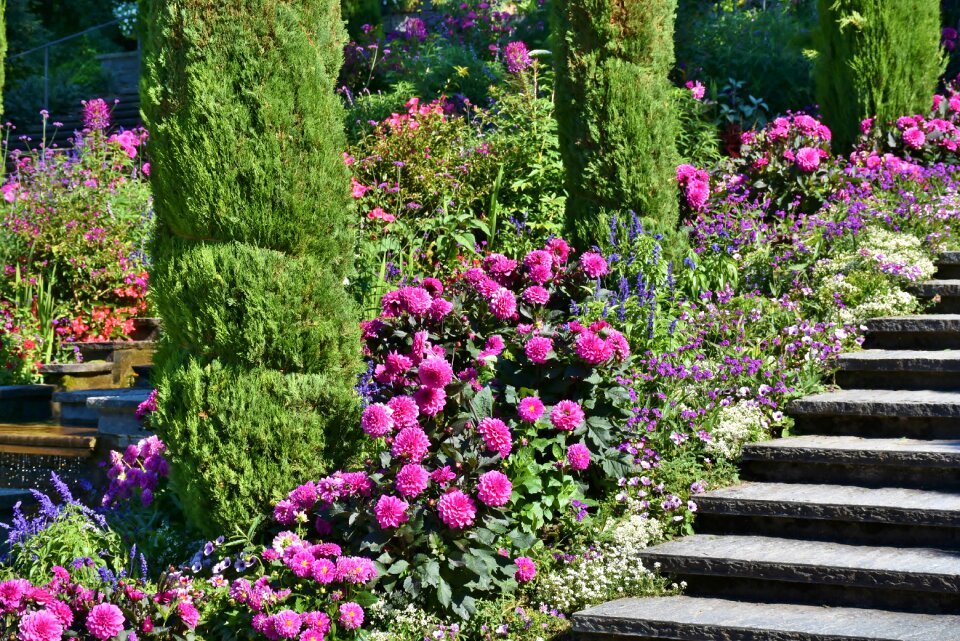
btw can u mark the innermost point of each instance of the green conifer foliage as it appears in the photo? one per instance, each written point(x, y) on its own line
point(875, 58)
point(3, 48)
point(615, 109)
point(254, 239)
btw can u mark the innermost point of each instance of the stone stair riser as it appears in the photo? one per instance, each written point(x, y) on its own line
point(898, 380)
point(912, 340)
point(947, 271)
point(878, 426)
point(864, 474)
point(834, 530)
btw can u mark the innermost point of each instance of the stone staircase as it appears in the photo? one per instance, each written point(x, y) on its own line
point(849, 530)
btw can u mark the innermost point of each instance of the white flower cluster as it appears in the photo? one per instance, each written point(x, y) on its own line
point(400, 623)
point(896, 253)
point(737, 424)
point(895, 302)
point(608, 571)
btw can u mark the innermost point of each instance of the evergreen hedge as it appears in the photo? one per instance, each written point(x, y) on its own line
point(614, 105)
point(876, 58)
point(253, 242)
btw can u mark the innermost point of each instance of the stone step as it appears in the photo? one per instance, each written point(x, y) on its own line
point(881, 413)
point(48, 436)
point(842, 460)
point(922, 331)
point(117, 413)
point(83, 407)
point(948, 291)
point(948, 265)
point(26, 403)
point(78, 376)
point(814, 572)
point(684, 618)
point(873, 516)
point(900, 369)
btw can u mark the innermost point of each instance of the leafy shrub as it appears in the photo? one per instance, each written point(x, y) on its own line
point(250, 184)
point(615, 110)
point(875, 59)
point(762, 48)
point(481, 458)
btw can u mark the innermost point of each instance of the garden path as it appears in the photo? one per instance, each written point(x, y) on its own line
point(849, 529)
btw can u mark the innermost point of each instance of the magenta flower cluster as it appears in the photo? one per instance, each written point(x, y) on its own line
point(138, 470)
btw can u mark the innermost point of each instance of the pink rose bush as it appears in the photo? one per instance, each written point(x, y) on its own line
point(488, 418)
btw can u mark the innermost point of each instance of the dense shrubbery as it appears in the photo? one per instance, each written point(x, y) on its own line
point(254, 240)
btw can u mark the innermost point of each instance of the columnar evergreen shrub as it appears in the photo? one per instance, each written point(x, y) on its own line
point(876, 59)
point(3, 47)
point(615, 108)
point(253, 243)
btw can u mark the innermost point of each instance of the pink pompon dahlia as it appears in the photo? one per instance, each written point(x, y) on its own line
point(538, 349)
point(412, 480)
point(526, 569)
point(105, 621)
point(567, 416)
point(593, 349)
point(351, 616)
point(808, 159)
point(188, 614)
point(416, 300)
point(390, 511)
point(494, 488)
point(594, 265)
point(456, 509)
point(41, 625)
point(405, 411)
point(697, 193)
point(530, 409)
point(377, 420)
point(411, 443)
point(503, 304)
point(496, 436)
point(430, 400)
point(323, 571)
point(435, 372)
point(287, 624)
point(578, 456)
point(536, 295)
point(914, 137)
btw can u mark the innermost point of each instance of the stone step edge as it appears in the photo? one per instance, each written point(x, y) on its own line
point(684, 618)
point(716, 503)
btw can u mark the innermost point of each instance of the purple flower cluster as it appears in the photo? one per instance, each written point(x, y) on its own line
point(138, 469)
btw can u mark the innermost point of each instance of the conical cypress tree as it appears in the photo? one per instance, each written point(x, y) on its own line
point(254, 239)
point(876, 58)
point(615, 109)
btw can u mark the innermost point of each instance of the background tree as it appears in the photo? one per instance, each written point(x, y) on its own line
point(253, 243)
point(615, 111)
point(875, 59)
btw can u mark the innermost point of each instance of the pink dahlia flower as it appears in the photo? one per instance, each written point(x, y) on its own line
point(430, 400)
point(526, 569)
point(188, 614)
point(405, 411)
point(503, 304)
point(593, 264)
point(496, 436)
point(390, 511)
point(494, 488)
point(412, 480)
point(440, 308)
point(456, 509)
point(351, 616)
point(304, 496)
point(416, 300)
point(41, 625)
point(433, 286)
point(808, 159)
point(593, 349)
point(411, 443)
point(435, 372)
point(356, 569)
point(914, 137)
point(697, 193)
point(397, 363)
point(377, 420)
point(302, 563)
point(559, 250)
point(537, 349)
point(530, 409)
point(536, 295)
point(287, 624)
point(105, 621)
point(323, 571)
point(62, 611)
point(578, 456)
point(566, 416)
point(317, 620)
